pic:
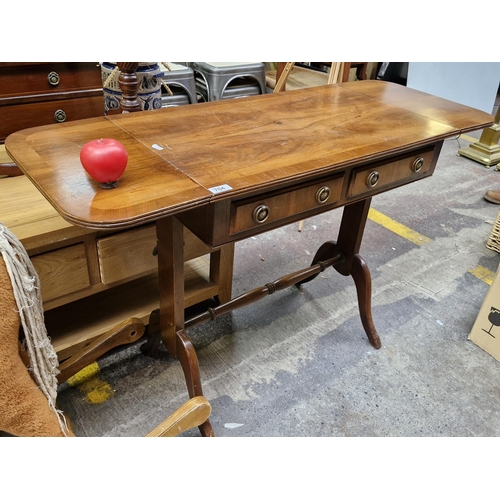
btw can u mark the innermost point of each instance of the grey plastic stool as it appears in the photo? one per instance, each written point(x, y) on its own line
point(180, 77)
point(214, 79)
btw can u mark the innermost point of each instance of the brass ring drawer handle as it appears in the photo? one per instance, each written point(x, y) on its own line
point(60, 116)
point(323, 194)
point(418, 164)
point(53, 78)
point(260, 214)
point(372, 180)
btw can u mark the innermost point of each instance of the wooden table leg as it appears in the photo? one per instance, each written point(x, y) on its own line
point(221, 271)
point(363, 282)
point(351, 232)
point(350, 235)
point(169, 231)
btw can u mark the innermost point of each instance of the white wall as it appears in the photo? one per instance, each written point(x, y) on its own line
point(474, 84)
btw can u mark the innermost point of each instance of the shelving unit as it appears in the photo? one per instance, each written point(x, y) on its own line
point(92, 280)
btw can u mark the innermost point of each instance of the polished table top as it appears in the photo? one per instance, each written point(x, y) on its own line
point(180, 157)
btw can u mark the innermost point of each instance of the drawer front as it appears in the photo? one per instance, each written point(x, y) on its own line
point(128, 255)
point(19, 80)
point(21, 116)
point(263, 211)
point(62, 271)
point(376, 178)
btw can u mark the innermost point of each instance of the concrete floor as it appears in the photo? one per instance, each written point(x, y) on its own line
point(298, 362)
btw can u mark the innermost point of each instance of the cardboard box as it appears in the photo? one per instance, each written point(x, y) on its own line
point(486, 330)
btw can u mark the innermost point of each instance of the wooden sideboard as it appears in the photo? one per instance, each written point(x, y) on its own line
point(33, 94)
point(42, 93)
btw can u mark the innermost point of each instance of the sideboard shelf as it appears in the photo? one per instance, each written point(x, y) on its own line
point(92, 280)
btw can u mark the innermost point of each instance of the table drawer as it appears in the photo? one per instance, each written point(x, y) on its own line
point(283, 204)
point(62, 271)
point(376, 178)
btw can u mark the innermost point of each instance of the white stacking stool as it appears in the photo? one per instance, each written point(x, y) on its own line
point(226, 80)
point(180, 80)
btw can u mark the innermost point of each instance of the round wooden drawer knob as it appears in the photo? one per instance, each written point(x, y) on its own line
point(260, 214)
point(372, 180)
point(323, 194)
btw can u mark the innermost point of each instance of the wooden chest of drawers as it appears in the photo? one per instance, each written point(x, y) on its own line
point(33, 94)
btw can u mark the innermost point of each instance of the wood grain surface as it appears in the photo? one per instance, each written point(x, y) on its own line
point(247, 144)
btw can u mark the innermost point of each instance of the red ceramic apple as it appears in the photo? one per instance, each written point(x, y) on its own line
point(104, 160)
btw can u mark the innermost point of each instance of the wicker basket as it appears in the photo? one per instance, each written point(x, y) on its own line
point(493, 242)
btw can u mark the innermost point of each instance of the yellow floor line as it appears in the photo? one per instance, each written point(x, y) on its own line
point(88, 382)
point(483, 274)
point(397, 228)
point(479, 272)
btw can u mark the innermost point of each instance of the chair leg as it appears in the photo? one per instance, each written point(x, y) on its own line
point(191, 414)
point(125, 332)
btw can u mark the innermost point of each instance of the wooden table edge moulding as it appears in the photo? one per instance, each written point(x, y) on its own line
point(229, 170)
